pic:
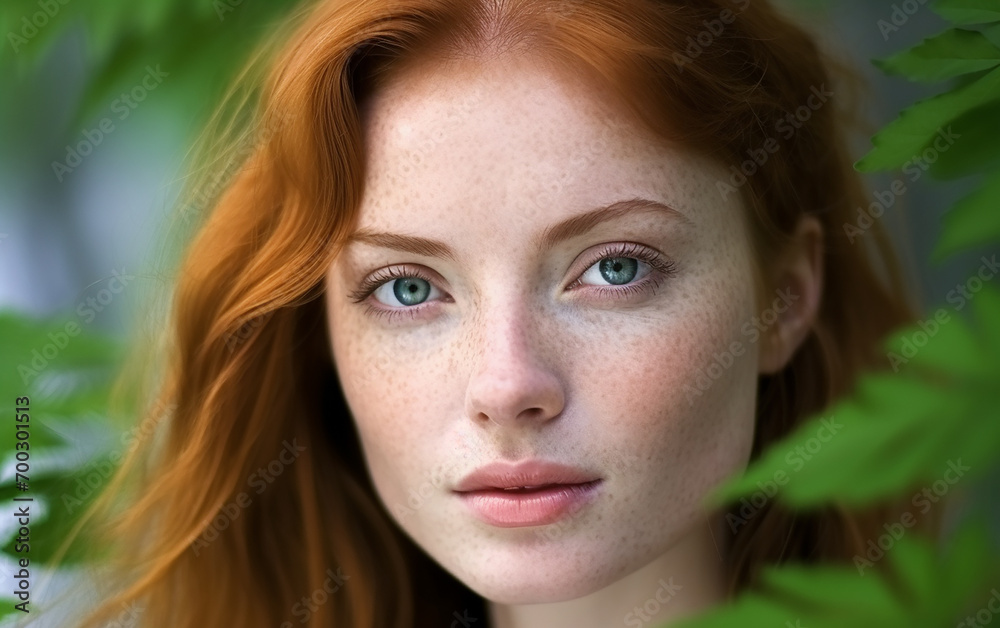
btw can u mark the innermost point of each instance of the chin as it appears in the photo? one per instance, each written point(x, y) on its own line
point(542, 573)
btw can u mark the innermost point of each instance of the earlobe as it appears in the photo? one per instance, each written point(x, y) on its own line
point(797, 281)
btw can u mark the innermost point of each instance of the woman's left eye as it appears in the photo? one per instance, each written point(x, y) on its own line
point(631, 267)
point(615, 271)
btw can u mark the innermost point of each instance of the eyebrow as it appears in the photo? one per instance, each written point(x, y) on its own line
point(570, 228)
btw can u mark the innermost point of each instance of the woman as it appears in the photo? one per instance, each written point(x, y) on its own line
point(502, 292)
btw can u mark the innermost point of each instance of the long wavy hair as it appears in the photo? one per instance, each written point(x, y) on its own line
point(246, 394)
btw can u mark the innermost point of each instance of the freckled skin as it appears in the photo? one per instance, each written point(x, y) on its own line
point(506, 361)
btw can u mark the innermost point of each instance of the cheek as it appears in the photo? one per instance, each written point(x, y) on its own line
point(683, 401)
point(390, 395)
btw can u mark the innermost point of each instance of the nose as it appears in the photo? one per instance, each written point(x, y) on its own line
point(510, 383)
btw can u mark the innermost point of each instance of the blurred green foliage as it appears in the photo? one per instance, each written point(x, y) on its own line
point(201, 44)
point(66, 371)
point(926, 590)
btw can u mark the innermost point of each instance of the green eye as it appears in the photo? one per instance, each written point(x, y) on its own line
point(400, 289)
point(615, 271)
point(411, 290)
point(619, 270)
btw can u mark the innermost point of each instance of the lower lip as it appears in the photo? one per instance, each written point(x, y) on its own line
point(508, 509)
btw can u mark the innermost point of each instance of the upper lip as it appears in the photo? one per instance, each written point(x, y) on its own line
point(528, 473)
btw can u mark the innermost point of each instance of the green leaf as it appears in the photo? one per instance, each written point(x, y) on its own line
point(906, 137)
point(953, 52)
point(810, 589)
point(978, 148)
point(65, 497)
point(992, 33)
point(106, 27)
point(920, 588)
point(968, 11)
point(985, 306)
point(7, 606)
point(153, 14)
point(973, 221)
point(955, 578)
point(73, 367)
point(897, 429)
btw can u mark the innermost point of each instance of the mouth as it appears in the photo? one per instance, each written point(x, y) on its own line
point(531, 493)
point(528, 489)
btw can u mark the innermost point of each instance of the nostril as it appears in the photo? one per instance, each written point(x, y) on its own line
point(532, 413)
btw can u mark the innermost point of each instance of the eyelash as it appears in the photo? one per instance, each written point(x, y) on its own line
point(661, 269)
point(376, 281)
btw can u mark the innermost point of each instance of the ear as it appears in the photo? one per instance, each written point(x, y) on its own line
point(797, 282)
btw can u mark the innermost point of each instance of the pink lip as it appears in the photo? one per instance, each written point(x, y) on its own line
point(543, 492)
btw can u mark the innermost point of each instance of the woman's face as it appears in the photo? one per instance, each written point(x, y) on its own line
point(552, 285)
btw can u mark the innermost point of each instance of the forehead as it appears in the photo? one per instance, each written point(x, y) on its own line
point(462, 142)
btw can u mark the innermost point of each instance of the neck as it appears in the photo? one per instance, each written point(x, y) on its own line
point(688, 578)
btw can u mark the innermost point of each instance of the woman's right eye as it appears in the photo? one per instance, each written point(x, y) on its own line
point(404, 291)
point(395, 292)
point(406, 286)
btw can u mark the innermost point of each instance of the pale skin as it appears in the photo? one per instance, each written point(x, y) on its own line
point(515, 349)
